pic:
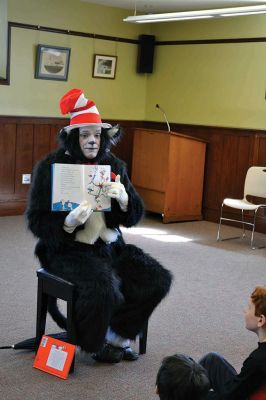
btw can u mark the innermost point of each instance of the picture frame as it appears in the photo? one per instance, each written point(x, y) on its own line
point(104, 66)
point(52, 62)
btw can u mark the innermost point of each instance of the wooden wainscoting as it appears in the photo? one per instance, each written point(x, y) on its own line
point(24, 141)
point(230, 152)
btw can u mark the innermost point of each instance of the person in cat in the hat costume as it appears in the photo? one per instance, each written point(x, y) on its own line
point(118, 285)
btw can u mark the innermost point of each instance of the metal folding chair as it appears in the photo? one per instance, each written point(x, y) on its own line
point(255, 185)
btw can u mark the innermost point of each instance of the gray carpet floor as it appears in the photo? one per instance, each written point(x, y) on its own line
point(203, 312)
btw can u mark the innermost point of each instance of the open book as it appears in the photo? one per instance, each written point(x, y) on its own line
point(74, 183)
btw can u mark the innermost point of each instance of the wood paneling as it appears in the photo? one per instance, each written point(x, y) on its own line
point(23, 141)
point(54, 130)
point(261, 156)
point(235, 162)
point(41, 142)
point(24, 156)
point(230, 152)
point(7, 159)
point(213, 168)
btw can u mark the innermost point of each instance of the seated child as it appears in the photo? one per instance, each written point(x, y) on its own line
point(181, 378)
point(224, 380)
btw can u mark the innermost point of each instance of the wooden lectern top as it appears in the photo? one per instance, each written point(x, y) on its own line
point(170, 133)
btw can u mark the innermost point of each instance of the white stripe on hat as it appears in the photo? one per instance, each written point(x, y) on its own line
point(92, 109)
point(81, 102)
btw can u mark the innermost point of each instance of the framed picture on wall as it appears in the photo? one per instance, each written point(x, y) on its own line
point(52, 62)
point(104, 66)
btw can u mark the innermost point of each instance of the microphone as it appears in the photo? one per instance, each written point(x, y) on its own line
point(166, 120)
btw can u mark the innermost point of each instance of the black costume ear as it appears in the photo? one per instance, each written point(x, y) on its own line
point(114, 134)
point(61, 137)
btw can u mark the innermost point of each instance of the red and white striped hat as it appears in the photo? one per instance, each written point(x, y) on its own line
point(82, 111)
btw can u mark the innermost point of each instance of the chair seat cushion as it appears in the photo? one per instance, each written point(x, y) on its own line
point(241, 204)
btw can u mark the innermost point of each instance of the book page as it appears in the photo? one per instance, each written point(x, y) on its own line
point(74, 183)
point(95, 192)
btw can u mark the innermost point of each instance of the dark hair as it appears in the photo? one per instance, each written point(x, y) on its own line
point(181, 378)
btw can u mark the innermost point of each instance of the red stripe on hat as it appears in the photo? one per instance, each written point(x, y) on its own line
point(89, 104)
point(86, 118)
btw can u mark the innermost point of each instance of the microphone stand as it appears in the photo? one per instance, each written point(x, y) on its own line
point(166, 120)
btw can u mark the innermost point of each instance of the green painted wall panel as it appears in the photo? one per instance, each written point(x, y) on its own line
point(212, 84)
point(217, 84)
point(121, 98)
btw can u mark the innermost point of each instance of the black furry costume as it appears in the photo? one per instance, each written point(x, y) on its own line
point(117, 284)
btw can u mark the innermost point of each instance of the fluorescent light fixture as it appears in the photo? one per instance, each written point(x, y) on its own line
point(245, 13)
point(174, 19)
point(185, 15)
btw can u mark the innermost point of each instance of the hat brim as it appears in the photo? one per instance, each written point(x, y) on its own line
point(74, 126)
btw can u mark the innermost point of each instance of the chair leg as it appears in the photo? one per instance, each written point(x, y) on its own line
point(253, 230)
point(228, 219)
point(243, 225)
point(42, 305)
point(219, 228)
point(143, 338)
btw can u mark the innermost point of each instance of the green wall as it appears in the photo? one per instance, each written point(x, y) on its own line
point(210, 84)
point(122, 98)
point(207, 84)
point(3, 37)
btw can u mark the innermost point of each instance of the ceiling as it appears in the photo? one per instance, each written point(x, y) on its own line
point(161, 6)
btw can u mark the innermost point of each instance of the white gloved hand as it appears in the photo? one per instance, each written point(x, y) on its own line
point(77, 217)
point(116, 190)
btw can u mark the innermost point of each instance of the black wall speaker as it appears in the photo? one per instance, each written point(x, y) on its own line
point(145, 54)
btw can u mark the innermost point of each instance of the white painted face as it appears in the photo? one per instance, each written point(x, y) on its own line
point(90, 140)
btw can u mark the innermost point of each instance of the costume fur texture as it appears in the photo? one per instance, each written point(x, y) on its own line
point(117, 284)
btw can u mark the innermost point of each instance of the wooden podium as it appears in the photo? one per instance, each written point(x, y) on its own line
point(168, 173)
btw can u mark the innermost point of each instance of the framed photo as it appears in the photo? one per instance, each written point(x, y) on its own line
point(52, 62)
point(104, 66)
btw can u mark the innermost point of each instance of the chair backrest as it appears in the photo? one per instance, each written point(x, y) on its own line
point(255, 183)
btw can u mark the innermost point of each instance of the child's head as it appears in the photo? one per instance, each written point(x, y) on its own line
point(255, 312)
point(181, 378)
